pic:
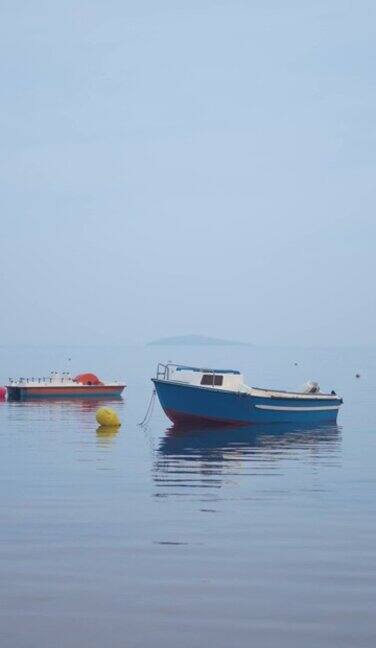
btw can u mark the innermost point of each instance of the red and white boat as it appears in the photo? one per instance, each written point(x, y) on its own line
point(62, 385)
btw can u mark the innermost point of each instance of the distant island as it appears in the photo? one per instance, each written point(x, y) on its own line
point(194, 340)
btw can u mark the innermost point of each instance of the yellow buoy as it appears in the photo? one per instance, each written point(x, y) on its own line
point(107, 417)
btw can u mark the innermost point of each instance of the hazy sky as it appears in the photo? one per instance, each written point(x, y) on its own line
point(178, 167)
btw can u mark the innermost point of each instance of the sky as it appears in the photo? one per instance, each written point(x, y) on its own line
point(197, 167)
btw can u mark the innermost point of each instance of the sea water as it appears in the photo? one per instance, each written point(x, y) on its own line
point(164, 538)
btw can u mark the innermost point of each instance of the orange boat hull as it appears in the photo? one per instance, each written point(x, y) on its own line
point(84, 391)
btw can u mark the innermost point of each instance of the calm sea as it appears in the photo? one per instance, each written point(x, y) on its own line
point(159, 539)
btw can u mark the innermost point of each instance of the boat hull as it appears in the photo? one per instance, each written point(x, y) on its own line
point(86, 391)
point(188, 404)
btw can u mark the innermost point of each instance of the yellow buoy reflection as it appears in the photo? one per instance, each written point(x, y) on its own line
point(107, 432)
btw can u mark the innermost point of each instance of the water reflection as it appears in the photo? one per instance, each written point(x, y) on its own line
point(59, 410)
point(74, 418)
point(206, 457)
point(106, 434)
point(63, 404)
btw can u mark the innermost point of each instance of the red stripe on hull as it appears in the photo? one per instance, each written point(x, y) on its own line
point(74, 390)
point(182, 418)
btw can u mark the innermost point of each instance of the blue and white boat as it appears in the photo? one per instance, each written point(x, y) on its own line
point(193, 395)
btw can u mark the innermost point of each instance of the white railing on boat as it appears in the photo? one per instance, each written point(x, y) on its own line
point(164, 371)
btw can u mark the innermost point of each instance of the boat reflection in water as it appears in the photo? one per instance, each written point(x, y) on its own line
point(208, 457)
point(57, 407)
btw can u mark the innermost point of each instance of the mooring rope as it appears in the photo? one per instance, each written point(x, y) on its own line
point(149, 410)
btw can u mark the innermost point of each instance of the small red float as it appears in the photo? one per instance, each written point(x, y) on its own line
point(3, 393)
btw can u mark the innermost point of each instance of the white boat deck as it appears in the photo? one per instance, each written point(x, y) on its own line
point(274, 393)
point(55, 379)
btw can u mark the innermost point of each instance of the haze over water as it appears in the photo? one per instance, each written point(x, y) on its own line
point(163, 538)
point(172, 168)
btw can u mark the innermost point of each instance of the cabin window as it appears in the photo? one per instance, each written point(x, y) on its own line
point(212, 379)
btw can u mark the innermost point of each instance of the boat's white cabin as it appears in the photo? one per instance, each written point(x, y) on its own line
point(232, 380)
point(219, 378)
